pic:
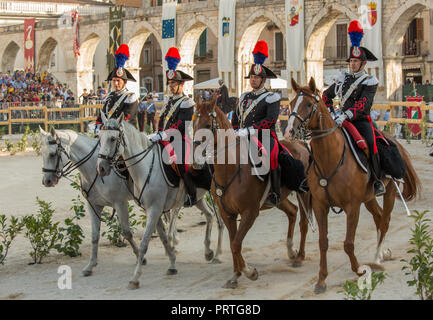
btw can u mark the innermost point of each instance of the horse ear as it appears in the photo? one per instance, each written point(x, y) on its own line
point(198, 99)
point(42, 131)
point(295, 86)
point(120, 119)
point(103, 117)
point(312, 85)
point(53, 131)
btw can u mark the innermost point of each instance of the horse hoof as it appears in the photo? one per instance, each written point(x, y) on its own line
point(133, 285)
point(297, 264)
point(319, 289)
point(216, 261)
point(86, 273)
point(231, 284)
point(208, 256)
point(144, 262)
point(171, 272)
point(387, 254)
point(293, 255)
point(254, 275)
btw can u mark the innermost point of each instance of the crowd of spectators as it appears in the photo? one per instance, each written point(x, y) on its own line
point(33, 89)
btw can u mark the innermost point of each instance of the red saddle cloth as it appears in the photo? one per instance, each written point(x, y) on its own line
point(359, 139)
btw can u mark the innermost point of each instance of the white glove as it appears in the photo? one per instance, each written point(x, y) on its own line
point(245, 131)
point(161, 135)
point(340, 119)
point(242, 132)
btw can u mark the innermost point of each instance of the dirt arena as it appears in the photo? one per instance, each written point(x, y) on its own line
point(264, 248)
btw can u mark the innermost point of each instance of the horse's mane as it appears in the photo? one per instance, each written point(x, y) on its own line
point(209, 106)
point(144, 140)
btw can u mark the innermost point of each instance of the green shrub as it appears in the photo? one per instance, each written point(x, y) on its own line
point(71, 236)
point(420, 265)
point(7, 234)
point(22, 144)
point(36, 142)
point(41, 231)
point(353, 291)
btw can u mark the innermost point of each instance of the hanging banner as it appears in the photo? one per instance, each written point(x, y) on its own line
point(226, 42)
point(295, 36)
point(168, 29)
point(115, 33)
point(29, 45)
point(76, 44)
point(371, 21)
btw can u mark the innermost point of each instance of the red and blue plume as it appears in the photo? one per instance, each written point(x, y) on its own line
point(121, 55)
point(355, 33)
point(260, 52)
point(173, 58)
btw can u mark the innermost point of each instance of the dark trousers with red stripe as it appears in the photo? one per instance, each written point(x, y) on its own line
point(365, 128)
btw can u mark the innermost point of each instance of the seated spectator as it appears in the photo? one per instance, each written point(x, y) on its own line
point(386, 115)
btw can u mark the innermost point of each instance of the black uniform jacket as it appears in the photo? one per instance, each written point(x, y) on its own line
point(128, 106)
point(357, 106)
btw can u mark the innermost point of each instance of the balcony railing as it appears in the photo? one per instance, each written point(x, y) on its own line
point(18, 7)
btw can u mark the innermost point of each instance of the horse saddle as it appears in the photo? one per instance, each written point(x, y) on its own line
point(292, 170)
point(202, 178)
point(391, 162)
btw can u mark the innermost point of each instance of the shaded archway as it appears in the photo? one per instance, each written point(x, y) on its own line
point(393, 33)
point(85, 62)
point(136, 44)
point(9, 57)
point(187, 47)
point(253, 32)
point(315, 39)
point(45, 53)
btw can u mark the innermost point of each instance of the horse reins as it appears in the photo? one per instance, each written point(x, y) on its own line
point(323, 181)
point(71, 167)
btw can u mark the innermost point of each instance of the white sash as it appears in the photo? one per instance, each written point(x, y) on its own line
point(351, 89)
point(117, 104)
point(172, 109)
point(251, 107)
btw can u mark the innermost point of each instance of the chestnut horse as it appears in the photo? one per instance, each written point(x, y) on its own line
point(237, 191)
point(341, 181)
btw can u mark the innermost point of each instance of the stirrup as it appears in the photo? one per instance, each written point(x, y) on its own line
point(381, 190)
point(272, 200)
point(189, 202)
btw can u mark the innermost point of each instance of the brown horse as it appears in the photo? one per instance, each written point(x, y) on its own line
point(341, 181)
point(237, 191)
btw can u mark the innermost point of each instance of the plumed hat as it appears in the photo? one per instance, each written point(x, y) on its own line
point(356, 51)
point(121, 56)
point(173, 58)
point(260, 54)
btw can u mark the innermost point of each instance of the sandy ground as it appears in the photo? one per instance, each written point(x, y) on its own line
point(264, 248)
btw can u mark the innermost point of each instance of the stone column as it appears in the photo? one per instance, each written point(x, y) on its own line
point(188, 69)
point(393, 77)
point(315, 69)
point(84, 80)
point(134, 86)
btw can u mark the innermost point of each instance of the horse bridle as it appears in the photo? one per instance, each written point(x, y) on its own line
point(119, 140)
point(302, 128)
point(58, 170)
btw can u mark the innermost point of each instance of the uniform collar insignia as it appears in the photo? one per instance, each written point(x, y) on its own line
point(356, 74)
point(259, 92)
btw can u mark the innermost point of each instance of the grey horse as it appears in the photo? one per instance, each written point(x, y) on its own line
point(58, 147)
point(119, 138)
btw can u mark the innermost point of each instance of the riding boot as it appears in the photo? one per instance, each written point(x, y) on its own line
point(273, 199)
point(190, 189)
point(378, 186)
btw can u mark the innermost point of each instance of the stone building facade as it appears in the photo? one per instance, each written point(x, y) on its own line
point(254, 18)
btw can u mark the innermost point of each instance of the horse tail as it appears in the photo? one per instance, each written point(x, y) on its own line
point(412, 185)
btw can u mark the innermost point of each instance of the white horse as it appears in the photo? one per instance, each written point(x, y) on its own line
point(119, 138)
point(60, 146)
